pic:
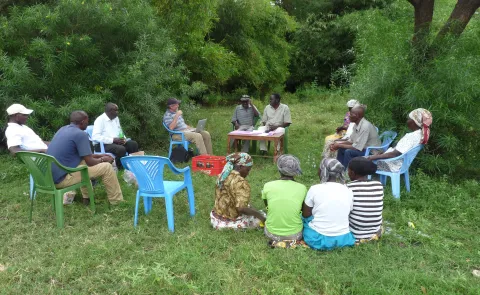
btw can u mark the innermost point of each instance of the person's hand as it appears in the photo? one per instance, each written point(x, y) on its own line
point(273, 127)
point(108, 159)
point(334, 147)
point(178, 113)
point(237, 125)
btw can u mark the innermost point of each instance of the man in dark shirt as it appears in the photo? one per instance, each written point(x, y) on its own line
point(71, 147)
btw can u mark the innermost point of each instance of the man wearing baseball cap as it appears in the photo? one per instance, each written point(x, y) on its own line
point(174, 120)
point(244, 118)
point(20, 136)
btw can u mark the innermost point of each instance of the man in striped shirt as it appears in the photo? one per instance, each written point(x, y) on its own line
point(244, 118)
point(366, 216)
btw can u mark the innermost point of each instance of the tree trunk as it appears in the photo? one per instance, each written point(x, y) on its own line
point(423, 19)
point(459, 18)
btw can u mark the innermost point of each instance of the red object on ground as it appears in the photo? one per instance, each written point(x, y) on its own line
point(211, 165)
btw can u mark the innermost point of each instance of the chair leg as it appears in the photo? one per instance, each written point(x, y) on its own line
point(135, 218)
point(147, 204)
point(32, 188)
point(169, 209)
point(407, 181)
point(383, 180)
point(191, 200)
point(396, 185)
point(59, 209)
point(91, 195)
point(31, 210)
point(254, 146)
point(170, 151)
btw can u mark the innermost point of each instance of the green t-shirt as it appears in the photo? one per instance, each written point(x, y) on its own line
point(285, 199)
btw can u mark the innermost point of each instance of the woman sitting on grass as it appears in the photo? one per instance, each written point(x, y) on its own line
point(419, 121)
point(326, 209)
point(232, 196)
point(366, 216)
point(284, 198)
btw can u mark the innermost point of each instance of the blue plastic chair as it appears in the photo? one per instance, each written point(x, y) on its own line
point(173, 142)
point(387, 139)
point(89, 131)
point(407, 159)
point(148, 171)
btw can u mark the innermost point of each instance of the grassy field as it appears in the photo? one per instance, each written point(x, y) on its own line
point(104, 254)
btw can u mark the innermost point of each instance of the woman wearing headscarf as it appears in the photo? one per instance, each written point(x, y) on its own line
point(326, 209)
point(232, 196)
point(366, 216)
point(284, 198)
point(341, 132)
point(419, 121)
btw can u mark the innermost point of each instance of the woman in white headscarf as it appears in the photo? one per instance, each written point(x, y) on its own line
point(340, 132)
point(419, 121)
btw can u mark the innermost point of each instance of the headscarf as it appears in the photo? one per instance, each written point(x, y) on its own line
point(235, 159)
point(289, 165)
point(423, 119)
point(352, 103)
point(331, 168)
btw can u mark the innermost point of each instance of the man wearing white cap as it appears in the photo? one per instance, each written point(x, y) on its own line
point(19, 136)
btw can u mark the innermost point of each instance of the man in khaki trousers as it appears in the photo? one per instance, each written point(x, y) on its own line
point(71, 147)
point(174, 120)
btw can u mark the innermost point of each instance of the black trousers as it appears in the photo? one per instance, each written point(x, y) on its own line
point(119, 151)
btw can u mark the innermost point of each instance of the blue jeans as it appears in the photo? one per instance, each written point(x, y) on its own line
point(344, 156)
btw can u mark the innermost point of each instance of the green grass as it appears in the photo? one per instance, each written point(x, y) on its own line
point(104, 254)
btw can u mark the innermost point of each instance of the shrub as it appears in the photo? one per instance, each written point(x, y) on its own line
point(79, 54)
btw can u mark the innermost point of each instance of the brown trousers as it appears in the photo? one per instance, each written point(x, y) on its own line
point(109, 178)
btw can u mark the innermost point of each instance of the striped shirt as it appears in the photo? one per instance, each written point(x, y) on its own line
point(366, 216)
point(244, 117)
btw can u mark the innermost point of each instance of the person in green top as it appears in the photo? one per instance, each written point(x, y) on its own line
point(284, 199)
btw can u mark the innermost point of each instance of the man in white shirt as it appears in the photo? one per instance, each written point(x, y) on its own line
point(107, 129)
point(276, 117)
point(19, 136)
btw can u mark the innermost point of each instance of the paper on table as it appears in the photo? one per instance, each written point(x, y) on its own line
point(239, 132)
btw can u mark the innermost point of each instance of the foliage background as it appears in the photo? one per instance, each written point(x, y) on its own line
point(56, 56)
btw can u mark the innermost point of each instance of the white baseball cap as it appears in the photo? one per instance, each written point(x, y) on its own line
point(18, 109)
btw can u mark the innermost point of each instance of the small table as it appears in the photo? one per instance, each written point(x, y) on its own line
point(248, 135)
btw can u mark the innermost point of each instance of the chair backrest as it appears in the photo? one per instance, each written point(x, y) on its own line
point(40, 167)
point(387, 138)
point(148, 171)
point(89, 131)
point(409, 157)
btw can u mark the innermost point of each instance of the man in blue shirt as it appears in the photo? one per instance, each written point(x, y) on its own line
point(71, 147)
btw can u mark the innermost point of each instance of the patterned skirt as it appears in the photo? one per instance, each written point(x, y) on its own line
point(241, 222)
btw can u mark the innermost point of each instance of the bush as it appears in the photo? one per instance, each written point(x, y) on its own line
point(79, 54)
point(448, 86)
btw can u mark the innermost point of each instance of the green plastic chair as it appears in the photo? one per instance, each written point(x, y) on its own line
point(40, 167)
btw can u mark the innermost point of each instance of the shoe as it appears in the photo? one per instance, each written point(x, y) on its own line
point(94, 182)
point(86, 202)
point(263, 153)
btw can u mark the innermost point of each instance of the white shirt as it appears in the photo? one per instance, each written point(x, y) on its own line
point(23, 136)
point(349, 131)
point(331, 203)
point(105, 130)
point(408, 142)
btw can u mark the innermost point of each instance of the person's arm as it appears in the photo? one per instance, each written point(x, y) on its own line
point(251, 212)
point(15, 149)
point(92, 160)
point(235, 119)
point(341, 144)
point(306, 210)
point(173, 124)
point(388, 155)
